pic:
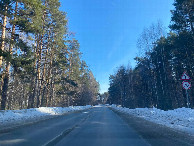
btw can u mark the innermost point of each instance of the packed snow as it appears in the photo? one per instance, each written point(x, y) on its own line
point(18, 117)
point(179, 119)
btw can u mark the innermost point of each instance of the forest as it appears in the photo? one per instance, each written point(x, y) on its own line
point(156, 79)
point(40, 59)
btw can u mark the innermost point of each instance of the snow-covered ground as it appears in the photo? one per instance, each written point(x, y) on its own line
point(18, 117)
point(179, 119)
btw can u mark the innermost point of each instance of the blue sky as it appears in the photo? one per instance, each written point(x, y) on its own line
point(107, 30)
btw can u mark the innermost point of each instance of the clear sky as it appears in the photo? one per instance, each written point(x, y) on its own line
point(107, 30)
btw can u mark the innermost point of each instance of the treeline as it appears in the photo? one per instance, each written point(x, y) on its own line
point(40, 60)
point(155, 81)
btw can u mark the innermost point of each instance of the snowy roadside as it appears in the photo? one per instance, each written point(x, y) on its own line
point(180, 119)
point(13, 118)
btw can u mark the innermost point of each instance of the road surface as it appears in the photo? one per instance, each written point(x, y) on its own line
point(98, 126)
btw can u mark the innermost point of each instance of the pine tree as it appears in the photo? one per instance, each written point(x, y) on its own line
point(182, 17)
point(13, 42)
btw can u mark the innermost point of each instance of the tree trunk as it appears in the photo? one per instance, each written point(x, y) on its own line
point(40, 61)
point(3, 36)
point(49, 84)
point(4, 91)
point(32, 95)
point(44, 80)
point(39, 73)
point(2, 49)
point(6, 77)
point(34, 79)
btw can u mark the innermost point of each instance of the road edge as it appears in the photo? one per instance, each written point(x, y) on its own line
point(172, 134)
point(11, 126)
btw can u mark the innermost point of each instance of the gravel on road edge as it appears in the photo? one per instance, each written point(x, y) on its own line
point(156, 134)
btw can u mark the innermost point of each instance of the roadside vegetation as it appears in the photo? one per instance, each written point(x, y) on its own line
point(40, 60)
point(155, 81)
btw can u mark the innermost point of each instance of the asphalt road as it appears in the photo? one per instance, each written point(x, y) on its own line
point(98, 126)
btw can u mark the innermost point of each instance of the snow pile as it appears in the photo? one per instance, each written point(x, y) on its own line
point(16, 116)
point(180, 119)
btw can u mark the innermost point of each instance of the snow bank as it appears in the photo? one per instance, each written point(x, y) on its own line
point(180, 119)
point(19, 116)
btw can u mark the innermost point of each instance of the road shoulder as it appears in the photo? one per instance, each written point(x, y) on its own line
point(156, 134)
